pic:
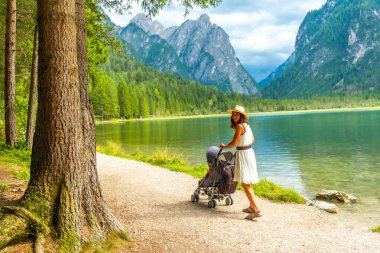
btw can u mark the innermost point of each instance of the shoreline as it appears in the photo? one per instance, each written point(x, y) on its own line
point(269, 113)
point(349, 211)
point(346, 211)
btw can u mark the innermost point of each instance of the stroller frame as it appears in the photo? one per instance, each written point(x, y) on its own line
point(212, 191)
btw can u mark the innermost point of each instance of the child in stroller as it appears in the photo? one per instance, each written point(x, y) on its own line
point(218, 183)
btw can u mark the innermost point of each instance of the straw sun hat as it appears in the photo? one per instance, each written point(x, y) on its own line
point(239, 109)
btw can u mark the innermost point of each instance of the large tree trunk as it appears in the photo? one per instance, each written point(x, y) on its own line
point(10, 74)
point(32, 93)
point(57, 146)
point(63, 186)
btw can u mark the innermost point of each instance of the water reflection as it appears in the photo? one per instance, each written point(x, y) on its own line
point(275, 160)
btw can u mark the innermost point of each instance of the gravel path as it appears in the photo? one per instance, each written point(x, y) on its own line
point(154, 205)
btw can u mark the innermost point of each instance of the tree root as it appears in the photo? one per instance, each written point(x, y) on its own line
point(18, 224)
point(38, 246)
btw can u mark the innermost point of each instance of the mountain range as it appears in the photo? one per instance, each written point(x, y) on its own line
point(197, 50)
point(337, 52)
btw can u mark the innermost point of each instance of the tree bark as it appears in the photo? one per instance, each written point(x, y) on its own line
point(102, 221)
point(57, 148)
point(32, 93)
point(10, 74)
point(58, 140)
point(64, 186)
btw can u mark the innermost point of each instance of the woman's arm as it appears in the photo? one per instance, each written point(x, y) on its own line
point(238, 131)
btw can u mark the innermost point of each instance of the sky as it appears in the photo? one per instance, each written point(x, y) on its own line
point(262, 32)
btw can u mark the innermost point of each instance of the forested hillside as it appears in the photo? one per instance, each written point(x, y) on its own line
point(127, 89)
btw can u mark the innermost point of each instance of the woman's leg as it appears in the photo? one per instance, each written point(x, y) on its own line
point(250, 195)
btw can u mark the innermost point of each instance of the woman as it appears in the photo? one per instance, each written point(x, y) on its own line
point(245, 167)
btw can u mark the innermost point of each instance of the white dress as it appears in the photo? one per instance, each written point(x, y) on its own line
point(245, 165)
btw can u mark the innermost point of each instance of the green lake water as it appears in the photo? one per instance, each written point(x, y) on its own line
point(304, 151)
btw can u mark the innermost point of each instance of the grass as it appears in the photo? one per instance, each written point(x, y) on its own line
point(264, 188)
point(17, 159)
point(270, 190)
point(376, 229)
point(21, 174)
point(18, 156)
point(4, 187)
point(161, 158)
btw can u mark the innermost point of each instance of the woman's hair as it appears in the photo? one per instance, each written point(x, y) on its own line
point(241, 121)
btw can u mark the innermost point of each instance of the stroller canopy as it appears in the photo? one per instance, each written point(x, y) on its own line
point(213, 152)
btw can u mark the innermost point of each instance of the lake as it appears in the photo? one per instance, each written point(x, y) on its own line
point(305, 151)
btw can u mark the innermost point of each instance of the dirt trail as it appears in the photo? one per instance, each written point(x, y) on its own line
point(154, 204)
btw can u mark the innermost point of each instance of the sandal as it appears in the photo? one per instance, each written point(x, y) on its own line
point(257, 214)
point(253, 215)
point(249, 210)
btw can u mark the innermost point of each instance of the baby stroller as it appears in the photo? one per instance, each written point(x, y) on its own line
point(218, 183)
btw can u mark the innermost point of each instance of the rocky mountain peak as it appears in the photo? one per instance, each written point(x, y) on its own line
point(336, 52)
point(152, 27)
point(198, 49)
point(139, 17)
point(206, 50)
point(204, 18)
point(149, 26)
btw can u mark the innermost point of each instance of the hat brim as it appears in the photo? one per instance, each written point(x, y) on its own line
point(233, 110)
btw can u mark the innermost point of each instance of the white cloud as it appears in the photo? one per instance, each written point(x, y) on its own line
point(265, 38)
point(263, 33)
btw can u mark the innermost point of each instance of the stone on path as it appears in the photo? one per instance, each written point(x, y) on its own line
point(328, 207)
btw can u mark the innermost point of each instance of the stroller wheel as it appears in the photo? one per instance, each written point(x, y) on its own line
point(229, 201)
point(195, 197)
point(211, 204)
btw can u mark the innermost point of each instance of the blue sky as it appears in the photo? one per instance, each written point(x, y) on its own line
point(263, 32)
